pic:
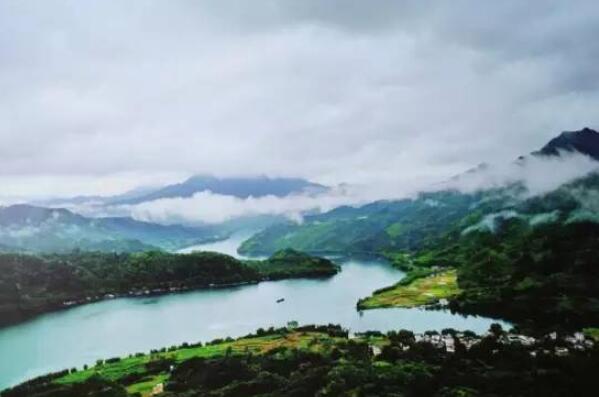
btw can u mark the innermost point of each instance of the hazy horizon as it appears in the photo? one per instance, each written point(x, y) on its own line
point(103, 97)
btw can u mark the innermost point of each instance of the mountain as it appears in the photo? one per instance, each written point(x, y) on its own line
point(585, 141)
point(40, 229)
point(536, 253)
point(97, 200)
point(238, 187)
point(513, 252)
point(408, 224)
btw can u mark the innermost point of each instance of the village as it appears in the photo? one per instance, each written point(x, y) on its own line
point(448, 340)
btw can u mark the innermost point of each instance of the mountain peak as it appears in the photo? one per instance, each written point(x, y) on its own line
point(585, 141)
point(241, 187)
point(25, 213)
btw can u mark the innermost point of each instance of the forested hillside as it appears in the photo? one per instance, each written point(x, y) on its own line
point(324, 361)
point(529, 258)
point(385, 225)
point(30, 285)
point(28, 228)
point(535, 253)
point(415, 223)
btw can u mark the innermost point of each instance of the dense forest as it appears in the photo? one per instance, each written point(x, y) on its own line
point(385, 225)
point(325, 361)
point(518, 270)
point(31, 285)
point(540, 254)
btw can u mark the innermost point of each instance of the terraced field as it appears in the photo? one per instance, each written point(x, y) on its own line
point(422, 291)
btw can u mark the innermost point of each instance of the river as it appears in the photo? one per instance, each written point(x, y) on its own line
point(117, 327)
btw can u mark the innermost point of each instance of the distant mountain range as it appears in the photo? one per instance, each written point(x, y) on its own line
point(240, 187)
point(379, 226)
point(48, 226)
point(38, 229)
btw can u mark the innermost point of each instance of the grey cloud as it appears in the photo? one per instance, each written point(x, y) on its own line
point(399, 93)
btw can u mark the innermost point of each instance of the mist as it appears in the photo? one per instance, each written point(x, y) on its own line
point(537, 174)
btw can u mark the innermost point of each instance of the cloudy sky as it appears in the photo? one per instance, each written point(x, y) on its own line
point(102, 96)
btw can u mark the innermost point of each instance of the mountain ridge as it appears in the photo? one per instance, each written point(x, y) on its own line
point(41, 229)
point(405, 224)
point(240, 187)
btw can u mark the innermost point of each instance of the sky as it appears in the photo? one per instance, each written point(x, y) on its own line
point(98, 97)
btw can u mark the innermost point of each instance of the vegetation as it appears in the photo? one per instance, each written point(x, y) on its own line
point(513, 253)
point(26, 228)
point(592, 333)
point(520, 269)
point(540, 253)
point(530, 260)
point(374, 228)
point(417, 292)
point(323, 361)
point(30, 285)
point(289, 263)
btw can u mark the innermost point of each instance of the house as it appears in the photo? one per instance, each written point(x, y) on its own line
point(158, 389)
point(449, 344)
point(561, 351)
point(376, 351)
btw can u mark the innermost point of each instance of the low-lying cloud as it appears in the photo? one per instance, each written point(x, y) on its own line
point(207, 207)
point(538, 174)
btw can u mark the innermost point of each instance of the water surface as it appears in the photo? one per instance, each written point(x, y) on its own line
point(118, 327)
point(228, 246)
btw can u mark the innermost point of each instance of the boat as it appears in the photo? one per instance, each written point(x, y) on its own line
point(280, 300)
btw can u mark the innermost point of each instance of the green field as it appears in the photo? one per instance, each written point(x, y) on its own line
point(128, 368)
point(421, 291)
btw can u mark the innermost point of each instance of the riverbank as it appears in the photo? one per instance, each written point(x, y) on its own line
point(328, 360)
point(435, 288)
point(34, 285)
point(82, 334)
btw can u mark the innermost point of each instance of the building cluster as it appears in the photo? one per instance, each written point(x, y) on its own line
point(548, 344)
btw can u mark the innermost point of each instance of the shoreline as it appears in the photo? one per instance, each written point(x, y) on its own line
point(146, 293)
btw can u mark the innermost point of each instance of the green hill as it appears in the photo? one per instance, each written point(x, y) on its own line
point(374, 228)
point(39, 229)
point(30, 285)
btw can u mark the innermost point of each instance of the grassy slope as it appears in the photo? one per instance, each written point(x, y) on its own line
point(421, 291)
point(117, 371)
